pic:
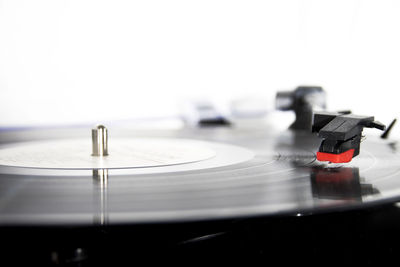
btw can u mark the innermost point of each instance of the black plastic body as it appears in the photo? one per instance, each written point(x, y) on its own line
point(341, 132)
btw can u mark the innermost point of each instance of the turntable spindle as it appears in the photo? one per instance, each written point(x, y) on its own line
point(99, 141)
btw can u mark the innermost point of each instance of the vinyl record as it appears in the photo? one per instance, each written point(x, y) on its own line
point(188, 175)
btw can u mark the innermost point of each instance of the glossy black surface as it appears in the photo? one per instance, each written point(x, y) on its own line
point(362, 237)
point(283, 178)
point(282, 206)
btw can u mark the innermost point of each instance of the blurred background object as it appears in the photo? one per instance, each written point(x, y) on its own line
point(77, 62)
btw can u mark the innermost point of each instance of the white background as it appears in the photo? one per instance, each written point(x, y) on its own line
point(69, 62)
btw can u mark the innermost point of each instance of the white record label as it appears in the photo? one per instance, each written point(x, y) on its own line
point(123, 153)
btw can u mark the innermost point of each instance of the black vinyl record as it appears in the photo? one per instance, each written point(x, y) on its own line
point(253, 172)
point(247, 193)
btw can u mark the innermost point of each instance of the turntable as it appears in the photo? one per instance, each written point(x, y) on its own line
point(319, 191)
